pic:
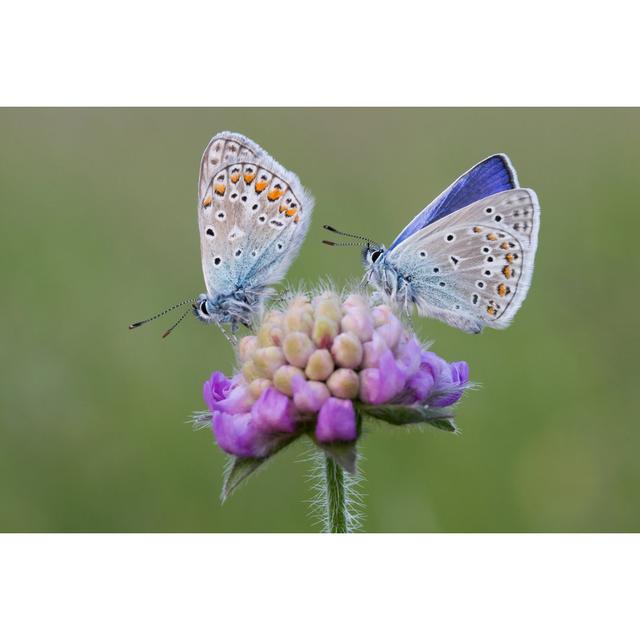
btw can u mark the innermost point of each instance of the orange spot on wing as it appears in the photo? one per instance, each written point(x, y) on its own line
point(491, 311)
point(283, 208)
point(274, 194)
point(207, 201)
point(509, 257)
point(248, 177)
point(504, 245)
point(235, 177)
point(220, 189)
point(507, 272)
point(502, 290)
point(492, 236)
point(296, 219)
point(477, 229)
point(261, 185)
point(290, 212)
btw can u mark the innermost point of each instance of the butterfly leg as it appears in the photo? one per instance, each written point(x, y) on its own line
point(231, 337)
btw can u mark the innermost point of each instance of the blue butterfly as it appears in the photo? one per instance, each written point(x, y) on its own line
point(467, 258)
point(253, 215)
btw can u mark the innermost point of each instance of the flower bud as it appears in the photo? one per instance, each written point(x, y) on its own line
point(250, 371)
point(282, 378)
point(273, 317)
point(328, 305)
point(343, 383)
point(408, 355)
point(270, 334)
point(358, 321)
point(297, 348)
point(390, 331)
point(372, 351)
point(347, 350)
point(267, 360)
point(257, 386)
point(381, 315)
point(355, 301)
point(273, 412)
point(298, 320)
point(320, 365)
point(215, 389)
point(324, 331)
point(237, 435)
point(336, 421)
point(238, 400)
point(247, 347)
point(309, 396)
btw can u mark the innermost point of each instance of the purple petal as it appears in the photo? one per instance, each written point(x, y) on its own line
point(273, 412)
point(309, 396)
point(216, 389)
point(450, 380)
point(409, 356)
point(419, 386)
point(238, 400)
point(237, 435)
point(378, 386)
point(336, 421)
point(460, 372)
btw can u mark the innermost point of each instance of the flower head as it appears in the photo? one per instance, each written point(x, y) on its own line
point(315, 364)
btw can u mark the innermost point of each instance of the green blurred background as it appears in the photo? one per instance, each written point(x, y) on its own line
point(99, 229)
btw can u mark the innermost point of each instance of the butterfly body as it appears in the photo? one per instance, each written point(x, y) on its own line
point(466, 259)
point(253, 215)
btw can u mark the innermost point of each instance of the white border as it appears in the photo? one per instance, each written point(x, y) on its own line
point(296, 586)
point(203, 53)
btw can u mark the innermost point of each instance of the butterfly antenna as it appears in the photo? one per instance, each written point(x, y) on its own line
point(176, 323)
point(135, 325)
point(348, 235)
point(342, 244)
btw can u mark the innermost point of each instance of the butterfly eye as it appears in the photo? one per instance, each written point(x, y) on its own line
point(203, 308)
point(375, 255)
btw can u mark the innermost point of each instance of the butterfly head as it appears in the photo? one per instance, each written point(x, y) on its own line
point(373, 255)
point(204, 309)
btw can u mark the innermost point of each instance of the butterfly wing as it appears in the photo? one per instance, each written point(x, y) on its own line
point(253, 215)
point(492, 175)
point(474, 267)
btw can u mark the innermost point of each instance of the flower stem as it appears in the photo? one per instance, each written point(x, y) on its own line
point(337, 517)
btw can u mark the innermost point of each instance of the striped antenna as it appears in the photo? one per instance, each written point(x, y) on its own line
point(135, 325)
point(176, 323)
point(348, 235)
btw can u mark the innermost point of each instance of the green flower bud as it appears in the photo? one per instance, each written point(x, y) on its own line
point(283, 376)
point(324, 331)
point(320, 365)
point(344, 383)
point(267, 360)
point(347, 350)
point(247, 347)
point(257, 386)
point(297, 347)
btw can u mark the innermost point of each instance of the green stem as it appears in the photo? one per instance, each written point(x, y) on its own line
point(336, 499)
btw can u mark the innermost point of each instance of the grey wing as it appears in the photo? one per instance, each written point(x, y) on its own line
point(474, 267)
point(222, 149)
point(253, 217)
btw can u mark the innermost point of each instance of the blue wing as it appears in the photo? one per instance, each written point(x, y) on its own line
point(493, 175)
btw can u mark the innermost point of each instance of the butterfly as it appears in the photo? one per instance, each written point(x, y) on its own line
point(253, 215)
point(467, 258)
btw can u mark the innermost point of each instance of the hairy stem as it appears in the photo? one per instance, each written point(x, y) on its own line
point(337, 516)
